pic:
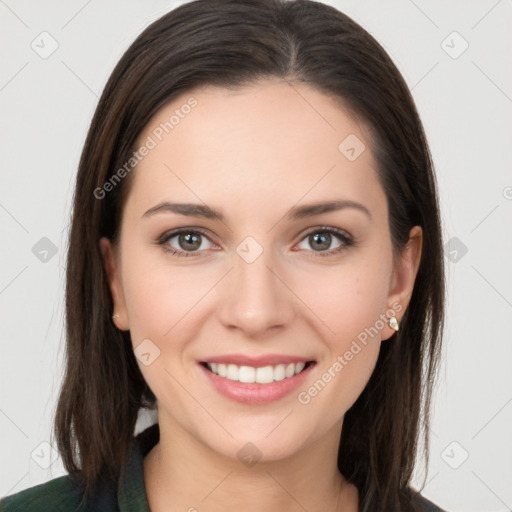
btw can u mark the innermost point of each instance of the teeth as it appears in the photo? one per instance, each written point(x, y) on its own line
point(299, 367)
point(249, 374)
point(242, 373)
point(232, 372)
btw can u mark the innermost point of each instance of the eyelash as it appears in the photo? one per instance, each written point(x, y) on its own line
point(346, 240)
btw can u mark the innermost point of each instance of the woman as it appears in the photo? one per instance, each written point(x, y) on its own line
point(255, 253)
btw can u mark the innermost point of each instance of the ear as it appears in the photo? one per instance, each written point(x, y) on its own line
point(403, 278)
point(114, 281)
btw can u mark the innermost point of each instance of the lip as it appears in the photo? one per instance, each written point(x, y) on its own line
point(257, 361)
point(253, 393)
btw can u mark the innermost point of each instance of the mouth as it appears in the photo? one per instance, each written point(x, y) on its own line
point(255, 383)
point(257, 375)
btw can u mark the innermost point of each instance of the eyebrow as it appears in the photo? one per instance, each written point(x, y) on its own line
point(298, 212)
point(188, 209)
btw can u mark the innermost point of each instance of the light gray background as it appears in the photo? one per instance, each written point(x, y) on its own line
point(465, 100)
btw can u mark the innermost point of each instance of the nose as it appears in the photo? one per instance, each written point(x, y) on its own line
point(256, 299)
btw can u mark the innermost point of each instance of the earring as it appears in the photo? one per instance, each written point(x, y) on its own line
point(114, 318)
point(394, 323)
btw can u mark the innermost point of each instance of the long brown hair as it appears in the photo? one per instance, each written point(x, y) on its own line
point(231, 43)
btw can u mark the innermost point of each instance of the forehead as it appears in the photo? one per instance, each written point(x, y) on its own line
point(271, 141)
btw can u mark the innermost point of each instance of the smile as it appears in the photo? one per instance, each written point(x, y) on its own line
point(262, 375)
point(256, 385)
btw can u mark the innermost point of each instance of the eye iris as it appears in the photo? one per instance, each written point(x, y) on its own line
point(320, 241)
point(190, 241)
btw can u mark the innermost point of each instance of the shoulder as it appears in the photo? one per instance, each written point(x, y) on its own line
point(421, 504)
point(63, 494)
point(59, 495)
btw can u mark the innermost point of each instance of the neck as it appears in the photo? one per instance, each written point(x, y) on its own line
point(181, 473)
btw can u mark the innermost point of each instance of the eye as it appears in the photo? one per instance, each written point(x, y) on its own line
point(323, 241)
point(184, 242)
point(326, 241)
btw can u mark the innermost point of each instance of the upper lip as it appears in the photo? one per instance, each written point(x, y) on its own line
point(257, 361)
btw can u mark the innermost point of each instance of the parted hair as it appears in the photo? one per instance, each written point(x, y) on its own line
point(231, 43)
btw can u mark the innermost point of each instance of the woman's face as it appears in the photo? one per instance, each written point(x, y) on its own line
point(255, 234)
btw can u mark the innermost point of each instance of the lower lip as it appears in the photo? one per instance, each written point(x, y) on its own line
point(254, 393)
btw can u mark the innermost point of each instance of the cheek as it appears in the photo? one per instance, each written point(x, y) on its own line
point(159, 296)
point(163, 305)
point(348, 304)
point(347, 300)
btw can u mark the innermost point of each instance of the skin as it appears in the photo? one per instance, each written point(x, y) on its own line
point(253, 154)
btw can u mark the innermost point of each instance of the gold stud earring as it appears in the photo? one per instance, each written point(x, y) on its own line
point(394, 323)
